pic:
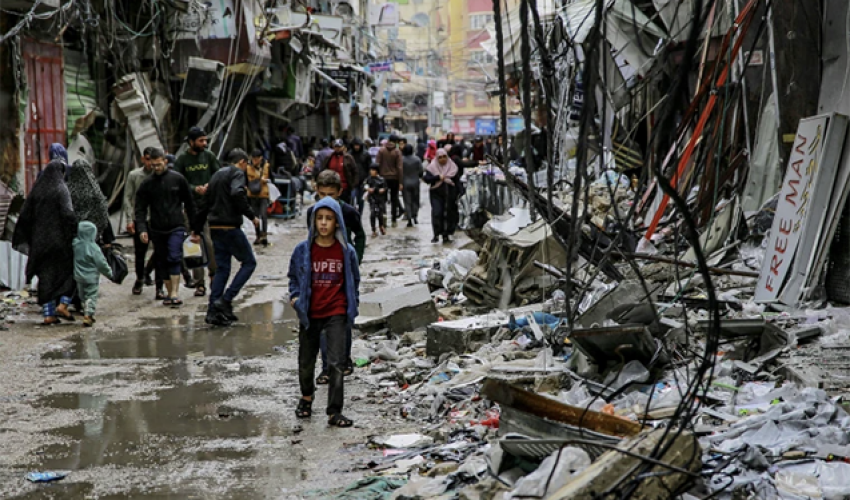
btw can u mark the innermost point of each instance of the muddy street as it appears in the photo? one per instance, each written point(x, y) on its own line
point(153, 403)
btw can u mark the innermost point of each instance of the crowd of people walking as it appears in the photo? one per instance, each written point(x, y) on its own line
point(185, 217)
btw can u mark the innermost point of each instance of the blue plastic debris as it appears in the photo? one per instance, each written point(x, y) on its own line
point(540, 317)
point(46, 477)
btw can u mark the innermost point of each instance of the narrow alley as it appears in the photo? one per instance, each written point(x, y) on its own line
point(153, 403)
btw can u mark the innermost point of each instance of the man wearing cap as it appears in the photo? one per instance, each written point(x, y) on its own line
point(198, 165)
point(344, 165)
point(390, 167)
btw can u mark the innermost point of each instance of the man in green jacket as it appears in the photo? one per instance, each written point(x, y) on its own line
point(198, 165)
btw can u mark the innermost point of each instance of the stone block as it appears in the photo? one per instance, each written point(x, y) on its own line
point(389, 300)
point(413, 317)
point(461, 335)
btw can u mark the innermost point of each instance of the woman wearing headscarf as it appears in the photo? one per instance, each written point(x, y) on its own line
point(440, 175)
point(88, 200)
point(431, 152)
point(45, 233)
point(58, 152)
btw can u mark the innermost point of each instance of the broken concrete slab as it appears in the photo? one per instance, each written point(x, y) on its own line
point(411, 318)
point(462, 335)
point(389, 300)
point(400, 309)
point(467, 334)
point(612, 468)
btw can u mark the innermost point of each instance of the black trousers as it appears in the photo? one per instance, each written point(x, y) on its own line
point(411, 202)
point(309, 344)
point(377, 214)
point(392, 187)
point(141, 251)
point(443, 211)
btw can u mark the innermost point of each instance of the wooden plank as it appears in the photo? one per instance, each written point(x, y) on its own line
point(504, 393)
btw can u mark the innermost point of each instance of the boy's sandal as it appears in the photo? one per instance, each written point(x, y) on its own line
point(339, 420)
point(175, 302)
point(323, 379)
point(160, 295)
point(349, 369)
point(304, 409)
point(51, 321)
point(137, 288)
point(200, 291)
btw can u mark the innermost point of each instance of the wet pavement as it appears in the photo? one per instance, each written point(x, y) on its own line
point(259, 330)
point(155, 404)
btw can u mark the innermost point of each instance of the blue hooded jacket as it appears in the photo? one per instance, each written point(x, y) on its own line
point(300, 267)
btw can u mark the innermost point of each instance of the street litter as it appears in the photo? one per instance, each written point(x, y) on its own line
point(46, 477)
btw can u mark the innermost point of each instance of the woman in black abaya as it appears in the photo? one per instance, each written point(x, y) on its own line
point(45, 232)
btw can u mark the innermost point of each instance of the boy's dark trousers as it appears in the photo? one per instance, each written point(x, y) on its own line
point(348, 344)
point(309, 342)
point(377, 213)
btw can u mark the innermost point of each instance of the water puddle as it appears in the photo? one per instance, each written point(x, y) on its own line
point(259, 330)
point(183, 423)
point(186, 422)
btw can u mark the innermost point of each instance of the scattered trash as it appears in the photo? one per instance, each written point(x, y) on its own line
point(46, 477)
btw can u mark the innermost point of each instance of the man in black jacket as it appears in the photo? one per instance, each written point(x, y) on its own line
point(225, 205)
point(363, 160)
point(166, 194)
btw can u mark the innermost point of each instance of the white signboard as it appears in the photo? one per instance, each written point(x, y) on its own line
point(792, 210)
point(818, 231)
point(439, 99)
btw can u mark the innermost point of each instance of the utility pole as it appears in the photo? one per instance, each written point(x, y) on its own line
point(428, 66)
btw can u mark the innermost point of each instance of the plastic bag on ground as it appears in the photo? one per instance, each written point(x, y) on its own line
point(633, 371)
point(565, 462)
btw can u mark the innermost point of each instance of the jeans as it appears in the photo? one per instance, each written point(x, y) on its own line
point(260, 206)
point(411, 202)
point(230, 243)
point(309, 345)
point(88, 295)
point(348, 342)
point(141, 251)
point(168, 251)
point(357, 199)
point(392, 187)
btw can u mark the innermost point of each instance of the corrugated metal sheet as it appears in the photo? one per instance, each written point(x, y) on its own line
point(80, 93)
point(6, 196)
point(13, 267)
point(45, 111)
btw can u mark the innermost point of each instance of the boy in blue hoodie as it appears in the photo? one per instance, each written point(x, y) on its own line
point(89, 264)
point(324, 282)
